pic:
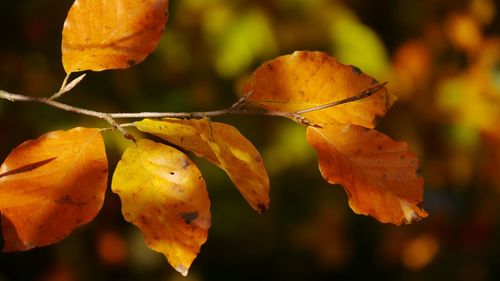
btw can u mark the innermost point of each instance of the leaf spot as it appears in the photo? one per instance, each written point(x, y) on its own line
point(189, 217)
point(419, 173)
point(356, 70)
point(131, 62)
point(261, 207)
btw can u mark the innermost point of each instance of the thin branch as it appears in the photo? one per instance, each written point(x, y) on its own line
point(82, 111)
point(200, 114)
point(233, 110)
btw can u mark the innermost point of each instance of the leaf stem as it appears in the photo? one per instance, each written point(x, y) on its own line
point(65, 81)
point(67, 87)
point(366, 93)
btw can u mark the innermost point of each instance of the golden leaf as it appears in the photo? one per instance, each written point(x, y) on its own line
point(224, 146)
point(305, 80)
point(50, 186)
point(379, 175)
point(163, 193)
point(111, 34)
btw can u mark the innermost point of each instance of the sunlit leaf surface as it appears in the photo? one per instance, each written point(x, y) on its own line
point(111, 34)
point(50, 186)
point(379, 175)
point(308, 79)
point(163, 193)
point(224, 146)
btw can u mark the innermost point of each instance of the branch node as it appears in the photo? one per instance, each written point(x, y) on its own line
point(303, 120)
point(67, 87)
point(118, 127)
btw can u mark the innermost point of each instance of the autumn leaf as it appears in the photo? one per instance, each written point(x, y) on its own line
point(111, 34)
point(50, 186)
point(306, 79)
point(163, 193)
point(379, 175)
point(224, 146)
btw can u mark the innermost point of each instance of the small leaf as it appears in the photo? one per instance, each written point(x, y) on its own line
point(163, 193)
point(305, 80)
point(379, 175)
point(50, 186)
point(224, 146)
point(111, 34)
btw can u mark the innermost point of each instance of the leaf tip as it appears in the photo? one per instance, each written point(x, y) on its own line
point(410, 213)
point(262, 207)
point(182, 270)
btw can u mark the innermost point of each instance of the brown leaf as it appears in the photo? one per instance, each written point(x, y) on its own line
point(306, 79)
point(163, 193)
point(111, 34)
point(379, 175)
point(50, 186)
point(224, 146)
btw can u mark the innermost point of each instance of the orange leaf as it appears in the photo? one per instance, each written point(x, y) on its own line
point(50, 186)
point(305, 80)
point(163, 193)
point(111, 34)
point(224, 146)
point(379, 175)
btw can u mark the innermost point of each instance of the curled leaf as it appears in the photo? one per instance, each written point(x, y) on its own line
point(111, 34)
point(306, 80)
point(224, 146)
point(379, 175)
point(50, 186)
point(163, 193)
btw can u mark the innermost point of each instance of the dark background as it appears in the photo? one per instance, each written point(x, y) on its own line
point(441, 58)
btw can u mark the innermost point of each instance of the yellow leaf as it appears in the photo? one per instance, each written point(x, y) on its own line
point(308, 79)
point(379, 175)
point(224, 146)
point(50, 186)
point(163, 193)
point(111, 34)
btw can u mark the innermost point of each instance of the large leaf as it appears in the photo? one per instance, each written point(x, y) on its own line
point(379, 175)
point(51, 185)
point(308, 79)
point(222, 145)
point(111, 34)
point(163, 193)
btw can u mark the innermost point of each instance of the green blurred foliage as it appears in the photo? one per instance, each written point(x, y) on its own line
point(442, 59)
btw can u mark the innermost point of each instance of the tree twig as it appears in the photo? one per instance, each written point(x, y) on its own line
point(233, 110)
point(82, 111)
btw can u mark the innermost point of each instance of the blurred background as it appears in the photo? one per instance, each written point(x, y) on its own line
point(441, 58)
